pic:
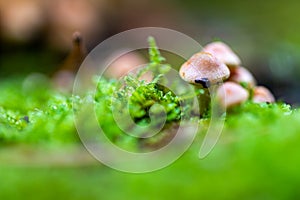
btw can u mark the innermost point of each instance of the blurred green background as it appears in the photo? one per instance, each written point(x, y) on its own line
point(246, 164)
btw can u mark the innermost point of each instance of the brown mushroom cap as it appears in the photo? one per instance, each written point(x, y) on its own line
point(224, 53)
point(262, 94)
point(230, 94)
point(129, 62)
point(242, 75)
point(205, 69)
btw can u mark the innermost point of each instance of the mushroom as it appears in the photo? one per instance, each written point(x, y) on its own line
point(63, 79)
point(230, 94)
point(224, 53)
point(124, 64)
point(242, 75)
point(204, 70)
point(77, 54)
point(129, 63)
point(262, 94)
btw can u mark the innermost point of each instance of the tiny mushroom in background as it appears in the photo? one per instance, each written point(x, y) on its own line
point(77, 54)
point(204, 70)
point(230, 94)
point(223, 53)
point(128, 63)
point(262, 94)
point(63, 79)
point(242, 75)
point(123, 64)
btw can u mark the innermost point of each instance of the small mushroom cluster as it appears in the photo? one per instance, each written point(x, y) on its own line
point(217, 63)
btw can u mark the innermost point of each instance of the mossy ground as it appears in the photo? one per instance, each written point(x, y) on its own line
point(257, 156)
point(252, 161)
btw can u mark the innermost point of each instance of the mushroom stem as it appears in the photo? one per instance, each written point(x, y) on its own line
point(203, 99)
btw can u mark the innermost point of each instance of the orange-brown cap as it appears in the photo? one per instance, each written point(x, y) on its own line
point(262, 94)
point(242, 75)
point(204, 69)
point(230, 94)
point(224, 53)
